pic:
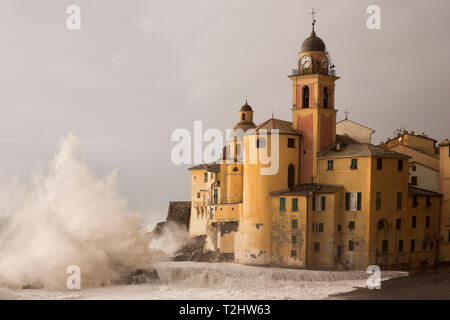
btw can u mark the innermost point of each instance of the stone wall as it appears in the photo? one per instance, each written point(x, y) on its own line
point(180, 212)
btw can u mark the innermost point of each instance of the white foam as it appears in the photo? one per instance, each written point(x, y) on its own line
point(68, 217)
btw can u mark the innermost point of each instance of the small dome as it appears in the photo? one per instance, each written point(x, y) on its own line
point(313, 43)
point(246, 107)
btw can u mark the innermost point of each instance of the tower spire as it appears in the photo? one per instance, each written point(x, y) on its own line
point(313, 12)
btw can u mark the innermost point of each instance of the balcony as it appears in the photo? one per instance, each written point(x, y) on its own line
point(297, 72)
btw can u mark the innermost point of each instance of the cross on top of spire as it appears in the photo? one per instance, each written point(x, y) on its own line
point(346, 113)
point(313, 12)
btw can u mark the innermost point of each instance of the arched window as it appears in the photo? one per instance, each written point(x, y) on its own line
point(291, 176)
point(243, 116)
point(305, 97)
point(325, 97)
point(261, 143)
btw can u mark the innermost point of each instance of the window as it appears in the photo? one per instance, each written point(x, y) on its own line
point(351, 245)
point(354, 164)
point(353, 201)
point(414, 180)
point(294, 204)
point(242, 116)
point(385, 246)
point(305, 97)
point(317, 227)
point(399, 200)
point(400, 245)
point(380, 225)
point(427, 221)
point(216, 196)
point(316, 246)
point(293, 253)
point(413, 244)
point(294, 224)
point(398, 224)
point(413, 221)
point(379, 163)
point(339, 228)
point(325, 97)
point(205, 177)
point(330, 165)
point(400, 165)
point(291, 143)
point(198, 195)
point(294, 239)
point(378, 201)
point(319, 203)
point(351, 225)
point(282, 204)
point(238, 150)
point(414, 168)
point(260, 143)
point(424, 245)
point(431, 245)
point(291, 176)
point(428, 202)
point(415, 202)
point(448, 235)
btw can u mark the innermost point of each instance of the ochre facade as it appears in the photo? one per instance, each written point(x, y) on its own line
point(334, 202)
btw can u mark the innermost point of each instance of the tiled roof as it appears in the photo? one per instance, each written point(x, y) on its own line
point(284, 127)
point(414, 191)
point(210, 167)
point(308, 189)
point(356, 123)
point(359, 150)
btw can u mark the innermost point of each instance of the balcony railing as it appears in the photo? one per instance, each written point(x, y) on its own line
point(297, 72)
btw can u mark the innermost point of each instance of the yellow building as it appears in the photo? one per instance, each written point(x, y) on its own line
point(334, 202)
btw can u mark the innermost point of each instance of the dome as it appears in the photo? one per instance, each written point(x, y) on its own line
point(313, 43)
point(246, 107)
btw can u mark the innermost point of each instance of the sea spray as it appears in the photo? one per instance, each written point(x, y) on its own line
point(68, 217)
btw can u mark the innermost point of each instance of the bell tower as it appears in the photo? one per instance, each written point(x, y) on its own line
point(313, 112)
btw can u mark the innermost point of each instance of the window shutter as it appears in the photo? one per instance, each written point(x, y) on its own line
point(323, 203)
point(314, 204)
point(359, 201)
point(347, 201)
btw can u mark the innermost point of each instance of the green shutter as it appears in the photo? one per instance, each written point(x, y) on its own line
point(282, 204)
point(347, 201)
point(359, 201)
point(323, 203)
point(294, 204)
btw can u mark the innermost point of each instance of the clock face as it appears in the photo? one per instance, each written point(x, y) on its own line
point(324, 62)
point(305, 61)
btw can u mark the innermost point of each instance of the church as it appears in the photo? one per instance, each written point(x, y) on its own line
point(337, 201)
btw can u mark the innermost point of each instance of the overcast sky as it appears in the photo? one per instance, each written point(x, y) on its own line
point(139, 69)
